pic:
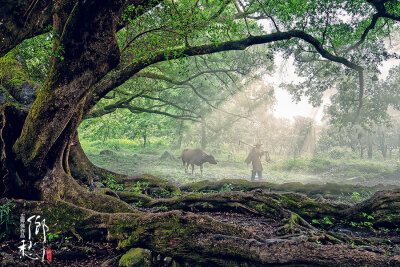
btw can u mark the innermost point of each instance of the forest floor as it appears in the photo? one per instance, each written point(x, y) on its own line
point(68, 251)
point(74, 253)
point(362, 172)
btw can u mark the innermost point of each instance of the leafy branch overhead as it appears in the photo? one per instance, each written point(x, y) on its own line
point(192, 97)
point(327, 37)
point(312, 30)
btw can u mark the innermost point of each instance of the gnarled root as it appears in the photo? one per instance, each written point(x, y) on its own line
point(187, 237)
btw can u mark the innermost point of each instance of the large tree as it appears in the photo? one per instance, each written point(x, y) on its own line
point(88, 62)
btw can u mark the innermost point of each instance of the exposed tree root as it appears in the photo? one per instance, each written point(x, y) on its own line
point(257, 203)
point(384, 206)
point(86, 172)
point(291, 252)
point(197, 239)
point(135, 198)
point(226, 201)
point(57, 185)
point(83, 170)
point(329, 190)
point(155, 186)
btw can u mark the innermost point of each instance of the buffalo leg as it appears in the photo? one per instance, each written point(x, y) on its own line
point(184, 166)
point(187, 167)
point(201, 169)
point(192, 168)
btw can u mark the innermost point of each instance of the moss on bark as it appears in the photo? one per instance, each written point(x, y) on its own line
point(384, 207)
point(57, 185)
point(85, 172)
point(135, 198)
point(328, 190)
point(190, 238)
point(136, 257)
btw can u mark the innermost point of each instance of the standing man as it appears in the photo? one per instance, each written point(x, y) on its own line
point(255, 158)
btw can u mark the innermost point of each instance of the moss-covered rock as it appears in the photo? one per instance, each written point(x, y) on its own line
point(136, 257)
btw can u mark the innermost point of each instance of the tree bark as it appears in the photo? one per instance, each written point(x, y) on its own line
point(370, 151)
point(180, 135)
point(144, 135)
point(85, 171)
point(203, 134)
point(52, 121)
point(191, 238)
point(21, 20)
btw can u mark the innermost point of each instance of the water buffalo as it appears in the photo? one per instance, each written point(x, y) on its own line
point(195, 156)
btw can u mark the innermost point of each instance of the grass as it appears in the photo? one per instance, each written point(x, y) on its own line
point(365, 169)
point(131, 158)
point(5, 220)
point(120, 145)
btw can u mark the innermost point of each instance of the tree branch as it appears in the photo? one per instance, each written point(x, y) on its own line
point(169, 103)
point(122, 72)
point(22, 20)
point(187, 82)
point(128, 44)
point(374, 20)
point(135, 109)
point(167, 79)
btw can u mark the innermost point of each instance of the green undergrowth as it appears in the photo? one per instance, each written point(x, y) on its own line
point(347, 168)
point(131, 158)
point(5, 219)
point(123, 146)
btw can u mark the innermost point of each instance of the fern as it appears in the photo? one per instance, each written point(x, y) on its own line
point(5, 217)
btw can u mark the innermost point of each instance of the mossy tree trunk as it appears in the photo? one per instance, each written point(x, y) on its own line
point(15, 28)
point(85, 54)
point(36, 145)
point(85, 171)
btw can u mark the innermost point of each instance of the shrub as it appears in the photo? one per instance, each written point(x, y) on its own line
point(318, 165)
point(337, 153)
